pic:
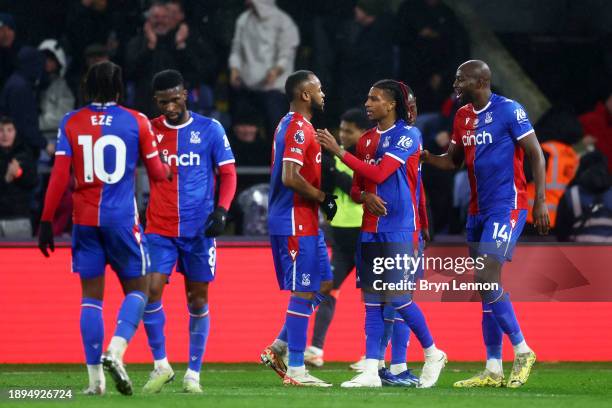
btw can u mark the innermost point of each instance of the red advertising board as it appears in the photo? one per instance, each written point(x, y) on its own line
point(40, 298)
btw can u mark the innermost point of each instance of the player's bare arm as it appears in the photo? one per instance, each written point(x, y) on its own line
point(451, 160)
point(535, 156)
point(377, 173)
point(293, 179)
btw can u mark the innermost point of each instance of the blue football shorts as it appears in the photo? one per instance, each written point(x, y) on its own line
point(301, 262)
point(123, 248)
point(495, 233)
point(195, 257)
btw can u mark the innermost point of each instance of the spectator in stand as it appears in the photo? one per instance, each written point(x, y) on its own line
point(94, 53)
point(164, 45)
point(431, 43)
point(558, 130)
point(250, 149)
point(9, 47)
point(18, 98)
point(176, 16)
point(262, 57)
point(597, 125)
point(247, 143)
point(585, 210)
point(366, 53)
point(56, 99)
point(88, 22)
point(17, 182)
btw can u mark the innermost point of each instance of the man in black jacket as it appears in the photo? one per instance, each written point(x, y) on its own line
point(18, 98)
point(17, 181)
point(161, 46)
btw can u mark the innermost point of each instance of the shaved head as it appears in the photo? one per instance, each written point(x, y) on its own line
point(473, 82)
point(476, 69)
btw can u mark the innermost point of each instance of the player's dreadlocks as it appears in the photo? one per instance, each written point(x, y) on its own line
point(103, 83)
point(400, 92)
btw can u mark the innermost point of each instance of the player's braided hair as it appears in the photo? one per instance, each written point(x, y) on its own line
point(400, 92)
point(103, 83)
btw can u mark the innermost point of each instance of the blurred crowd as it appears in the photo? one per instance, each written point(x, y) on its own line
point(235, 56)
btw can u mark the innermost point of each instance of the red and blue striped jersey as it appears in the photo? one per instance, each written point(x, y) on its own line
point(193, 151)
point(288, 212)
point(105, 142)
point(400, 190)
point(494, 159)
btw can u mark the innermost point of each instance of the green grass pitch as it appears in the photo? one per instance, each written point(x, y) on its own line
point(250, 385)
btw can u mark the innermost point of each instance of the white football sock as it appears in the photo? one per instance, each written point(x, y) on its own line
point(117, 347)
point(495, 366)
point(398, 368)
point(316, 351)
point(521, 348)
point(371, 365)
point(381, 364)
point(430, 351)
point(193, 374)
point(96, 375)
point(163, 363)
point(296, 371)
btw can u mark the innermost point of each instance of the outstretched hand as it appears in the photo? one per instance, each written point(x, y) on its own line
point(328, 142)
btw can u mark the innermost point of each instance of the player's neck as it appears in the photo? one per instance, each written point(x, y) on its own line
point(302, 110)
point(481, 100)
point(386, 123)
point(183, 119)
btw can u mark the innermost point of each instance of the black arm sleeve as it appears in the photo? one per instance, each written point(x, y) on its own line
point(328, 173)
point(344, 182)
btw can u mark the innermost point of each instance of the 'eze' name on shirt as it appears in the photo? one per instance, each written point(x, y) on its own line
point(101, 120)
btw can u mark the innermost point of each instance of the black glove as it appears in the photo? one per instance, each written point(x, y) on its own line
point(45, 238)
point(329, 206)
point(215, 223)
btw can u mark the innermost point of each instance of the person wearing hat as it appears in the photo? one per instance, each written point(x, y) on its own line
point(57, 98)
point(9, 47)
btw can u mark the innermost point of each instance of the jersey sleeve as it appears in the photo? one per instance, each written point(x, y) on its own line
point(63, 147)
point(455, 136)
point(519, 125)
point(221, 149)
point(403, 144)
point(146, 138)
point(297, 141)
